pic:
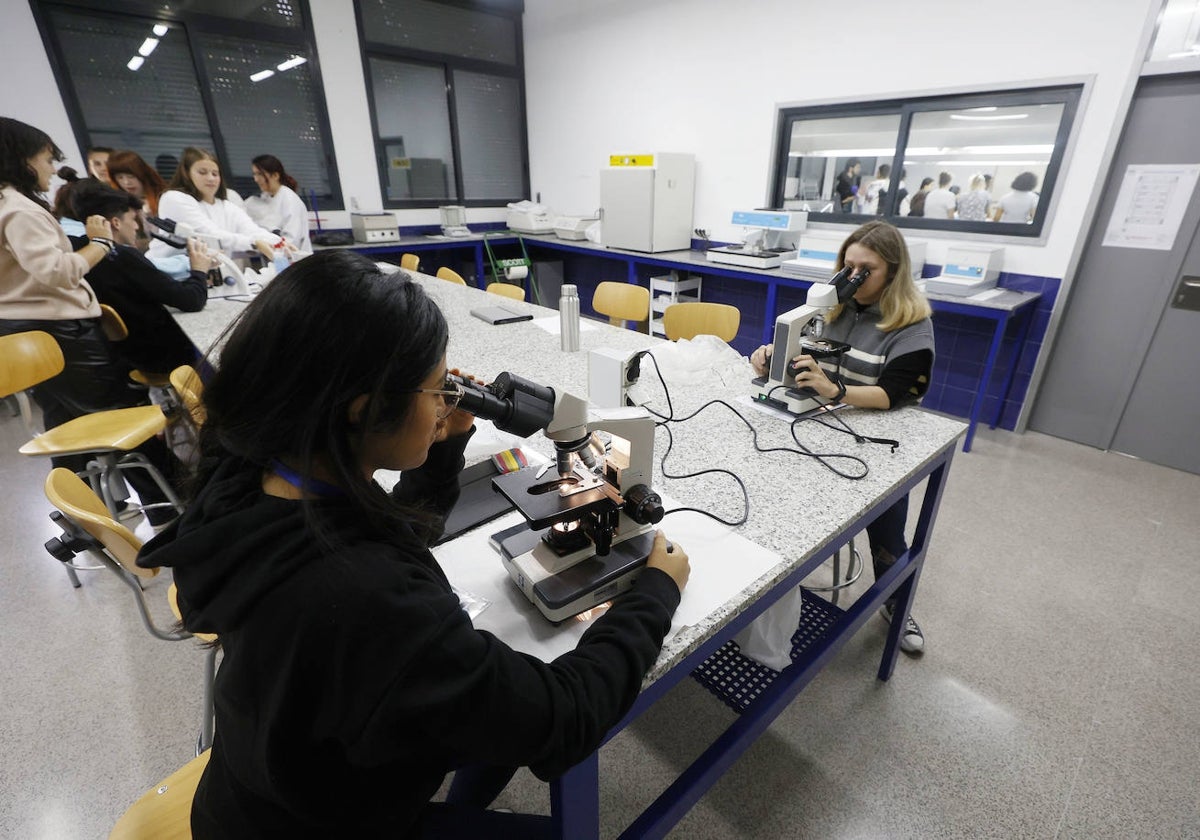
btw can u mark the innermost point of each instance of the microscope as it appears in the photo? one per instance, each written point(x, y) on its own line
point(802, 330)
point(590, 514)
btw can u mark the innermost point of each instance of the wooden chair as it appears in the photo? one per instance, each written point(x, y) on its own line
point(688, 320)
point(87, 528)
point(453, 276)
point(188, 385)
point(410, 262)
point(507, 290)
point(165, 811)
point(622, 302)
point(30, 358)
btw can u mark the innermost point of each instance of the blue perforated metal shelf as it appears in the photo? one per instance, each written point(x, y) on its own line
point(738, 681)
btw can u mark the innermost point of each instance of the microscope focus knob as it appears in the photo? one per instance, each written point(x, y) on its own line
point(643, 505)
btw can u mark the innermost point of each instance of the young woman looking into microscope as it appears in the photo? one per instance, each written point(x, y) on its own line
point(887, 325)
point(352, 680)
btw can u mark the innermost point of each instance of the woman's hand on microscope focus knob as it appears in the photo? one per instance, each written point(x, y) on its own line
point(760, 359)
point(670, 558)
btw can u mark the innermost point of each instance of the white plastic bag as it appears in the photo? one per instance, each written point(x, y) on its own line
point(768, 640)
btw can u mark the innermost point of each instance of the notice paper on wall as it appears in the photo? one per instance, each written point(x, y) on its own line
point(1150, 206)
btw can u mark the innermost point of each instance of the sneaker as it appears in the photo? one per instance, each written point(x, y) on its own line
point(912, 640)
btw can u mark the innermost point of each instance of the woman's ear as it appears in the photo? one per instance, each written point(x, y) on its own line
point(354, 411)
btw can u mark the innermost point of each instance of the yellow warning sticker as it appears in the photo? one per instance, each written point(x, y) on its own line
point(631, 160)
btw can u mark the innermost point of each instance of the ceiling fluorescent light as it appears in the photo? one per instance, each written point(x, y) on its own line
point(1032, 149)
point(261, 74)
point(993, 117)
point(148, 46)
point(135, 62)
point(160, 29)
point(987, 162)
point(294, 61)
point(983, 108)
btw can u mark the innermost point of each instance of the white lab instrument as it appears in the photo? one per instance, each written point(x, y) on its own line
point(454, 220)
point(371, 228)
point(610, 373)
point(802, 327)
point(969, 269)
point(816, 256)
point(588, 530)
point(646, 201)
point(572, 227)
point(528, 217)
point(771, 238)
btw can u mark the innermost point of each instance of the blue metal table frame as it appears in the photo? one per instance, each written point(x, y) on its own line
point(575, 798)
point(1000, 318)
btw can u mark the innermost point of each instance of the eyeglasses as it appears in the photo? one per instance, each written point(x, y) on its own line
point(451, 393)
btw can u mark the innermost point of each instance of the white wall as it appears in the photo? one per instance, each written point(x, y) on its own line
point(707, 76)
point(28, 91)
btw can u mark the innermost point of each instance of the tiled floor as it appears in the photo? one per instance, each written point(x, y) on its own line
point(1057, 696)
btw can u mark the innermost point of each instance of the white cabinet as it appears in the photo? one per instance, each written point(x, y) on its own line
point(647, 202)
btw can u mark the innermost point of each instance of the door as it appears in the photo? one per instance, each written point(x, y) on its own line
point(1124, 370)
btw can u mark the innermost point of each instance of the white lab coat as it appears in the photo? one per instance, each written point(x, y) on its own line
point(221, 219)
point(284, 212)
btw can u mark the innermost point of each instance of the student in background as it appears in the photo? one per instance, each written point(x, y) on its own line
point(940, 203)
point(1019, 205)
point(278, 207)
point(63, 208)
point(42, 287)
point(875, 189)
point(137, 290)
point(973, 206)
point(196, 197)
point(846, 186)
point(127, 171)
point(887, 324)
point(353, 681)
point(97, 162)
point(916, 204)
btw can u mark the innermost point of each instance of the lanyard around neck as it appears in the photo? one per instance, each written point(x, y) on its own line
point(304, 483)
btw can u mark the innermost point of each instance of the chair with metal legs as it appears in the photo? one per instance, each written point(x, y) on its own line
point(109, 437)
point(87, 528)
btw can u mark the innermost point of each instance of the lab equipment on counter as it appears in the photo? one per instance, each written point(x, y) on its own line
point(968, 269)
point(528, 217)
point(802, 330)
point(770, 240)
point(573, 227)
point(370, 228)
point(816, 256)
point(646, 201)
point(610, 375)
point(454, 220)
point(589, 515)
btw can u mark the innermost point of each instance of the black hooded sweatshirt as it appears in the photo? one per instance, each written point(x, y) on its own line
point(352, 681)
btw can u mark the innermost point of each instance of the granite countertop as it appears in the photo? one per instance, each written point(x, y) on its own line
point(797, 505)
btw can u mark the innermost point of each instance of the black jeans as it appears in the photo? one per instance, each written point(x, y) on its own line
point(886, 535)
point(92, 380)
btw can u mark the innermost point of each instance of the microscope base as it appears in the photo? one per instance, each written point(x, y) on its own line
point(560, 593)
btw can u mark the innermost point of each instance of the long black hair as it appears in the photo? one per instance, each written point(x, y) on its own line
point(328, 329)
point(272, 165)
point(18, 143)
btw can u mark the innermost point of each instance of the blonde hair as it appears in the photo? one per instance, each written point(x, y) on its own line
point(902, 303)
point(978, 182)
